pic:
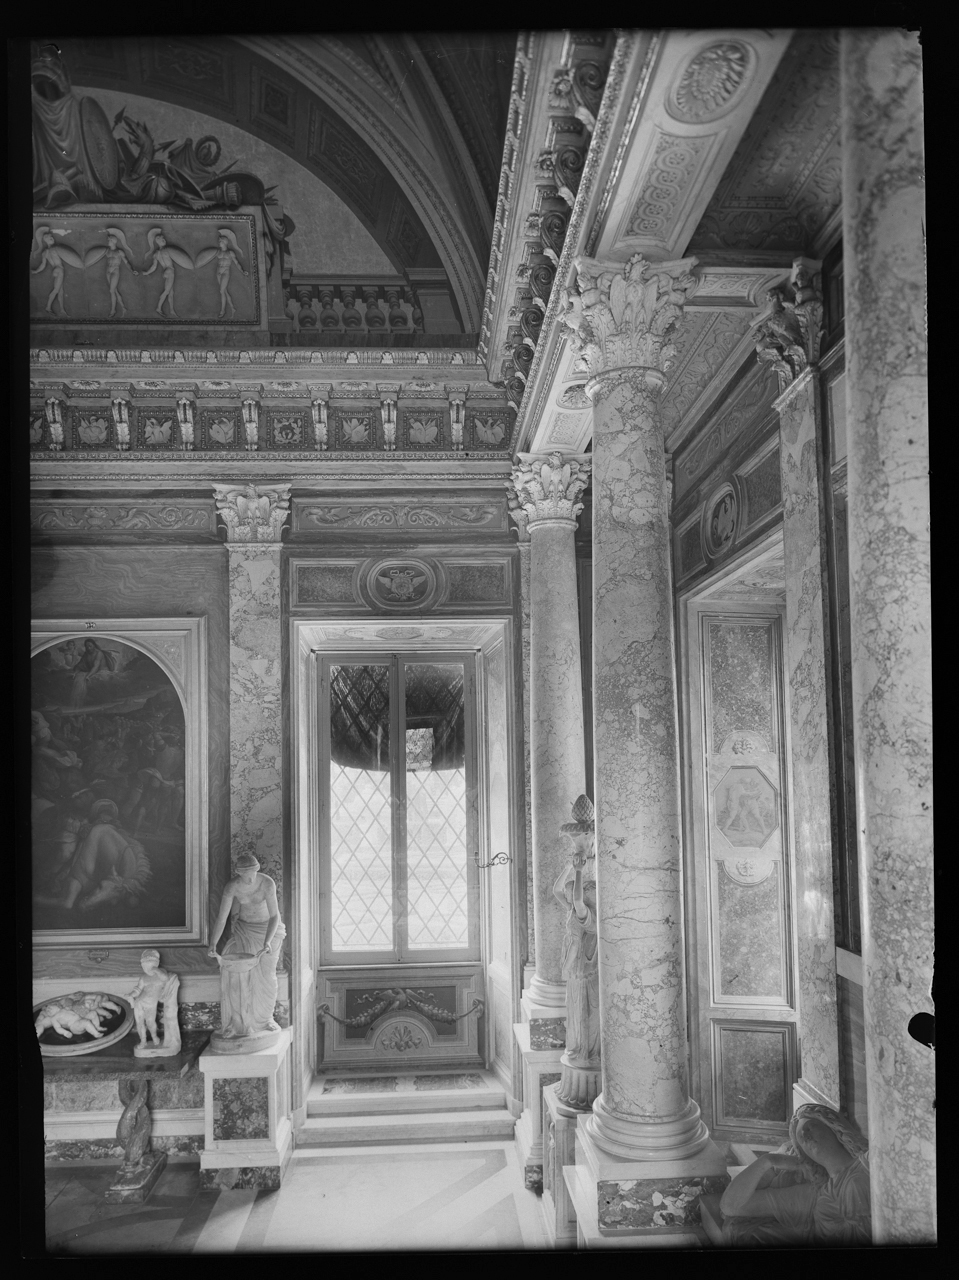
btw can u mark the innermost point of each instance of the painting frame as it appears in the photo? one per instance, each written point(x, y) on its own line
point(178, 646)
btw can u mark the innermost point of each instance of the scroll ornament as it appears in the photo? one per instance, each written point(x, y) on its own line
point(626, 315)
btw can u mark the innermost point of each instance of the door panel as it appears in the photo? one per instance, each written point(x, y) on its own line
point(742, 1001)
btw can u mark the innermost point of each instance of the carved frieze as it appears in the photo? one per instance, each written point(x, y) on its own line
point(310, 514)
point(81, 516)
point(675, 161)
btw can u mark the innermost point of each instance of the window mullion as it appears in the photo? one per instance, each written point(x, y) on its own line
point(398, 782)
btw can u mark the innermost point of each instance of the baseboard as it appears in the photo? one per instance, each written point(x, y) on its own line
point(80, 1126)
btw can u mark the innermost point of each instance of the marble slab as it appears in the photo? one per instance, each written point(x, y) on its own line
point(654, 1203)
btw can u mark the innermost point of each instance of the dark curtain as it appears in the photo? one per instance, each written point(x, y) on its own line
point(360, 714)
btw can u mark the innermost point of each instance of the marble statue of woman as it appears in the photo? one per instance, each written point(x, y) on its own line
point(815, 1191)
point(248, 984)
point(575, 889)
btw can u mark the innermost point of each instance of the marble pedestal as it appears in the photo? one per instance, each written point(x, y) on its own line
point(541, 1067)
point(642, 1203)
point(248, 1130)
point(559, 1153)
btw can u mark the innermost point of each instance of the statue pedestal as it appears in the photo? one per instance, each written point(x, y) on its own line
point(541, 1067)
point(248, 1137)
point(132, 1186)
point(559, 1152)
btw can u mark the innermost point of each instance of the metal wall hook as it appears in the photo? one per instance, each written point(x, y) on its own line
point(497, 860)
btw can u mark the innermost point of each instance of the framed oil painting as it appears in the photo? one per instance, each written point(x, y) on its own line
point(118, 784)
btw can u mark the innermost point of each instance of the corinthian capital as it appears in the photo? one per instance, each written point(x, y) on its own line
point(788, 332)
point(252, 513)
point(547, 487)
point(625, 314)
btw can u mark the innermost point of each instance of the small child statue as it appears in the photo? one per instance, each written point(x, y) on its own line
point(157, 986)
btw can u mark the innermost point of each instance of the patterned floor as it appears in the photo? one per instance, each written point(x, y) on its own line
point(455, 1196)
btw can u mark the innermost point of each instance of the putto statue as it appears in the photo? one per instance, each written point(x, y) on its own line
point(157, 986)
point(813, 1191)
point(248, 985)
point(575, 889)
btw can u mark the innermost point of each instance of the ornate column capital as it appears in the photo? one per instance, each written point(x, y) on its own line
point(624, 315)
point(547, 487)
point(252, 513)
point(788, 332)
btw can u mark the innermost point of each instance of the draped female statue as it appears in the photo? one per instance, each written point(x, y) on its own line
point(248, 985)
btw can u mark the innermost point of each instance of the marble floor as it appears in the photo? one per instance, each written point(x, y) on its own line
point(449, 1196)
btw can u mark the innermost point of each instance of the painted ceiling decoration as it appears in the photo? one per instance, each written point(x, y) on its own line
point(395, 219)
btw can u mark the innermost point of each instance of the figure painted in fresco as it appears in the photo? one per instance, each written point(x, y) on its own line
point(117, 254)
point(227, 255)
point(815, 1191)
point(78, 156)
point(167, 257)
point(55, 256)
point(109, 865)
point(94, 665)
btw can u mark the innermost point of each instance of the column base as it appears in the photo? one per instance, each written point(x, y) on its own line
point(541, 1067)
point(649, 1202)
point(132, 1186)
point(547, 1023)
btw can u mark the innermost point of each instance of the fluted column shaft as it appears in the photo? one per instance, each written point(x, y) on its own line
point(888, 512)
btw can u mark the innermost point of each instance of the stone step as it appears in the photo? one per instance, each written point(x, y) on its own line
point(404, 1095)
point(436, 1126)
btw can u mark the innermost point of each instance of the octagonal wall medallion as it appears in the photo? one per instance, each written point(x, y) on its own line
point(746, 807)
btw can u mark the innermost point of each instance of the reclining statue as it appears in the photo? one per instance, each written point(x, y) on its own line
point(814, 1191)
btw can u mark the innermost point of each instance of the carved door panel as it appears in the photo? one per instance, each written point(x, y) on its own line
point(742, 983)
point(400, 978)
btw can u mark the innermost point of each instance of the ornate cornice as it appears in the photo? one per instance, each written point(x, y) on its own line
point(253, 513)
point(547, 488)
point(625, 315)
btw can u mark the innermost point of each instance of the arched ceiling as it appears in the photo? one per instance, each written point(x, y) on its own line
point(406, 130)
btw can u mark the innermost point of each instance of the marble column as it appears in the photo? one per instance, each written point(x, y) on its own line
point(888, 463)
point(544, 504)
point(645, 1131)
point(254, 517)
point(787, 335)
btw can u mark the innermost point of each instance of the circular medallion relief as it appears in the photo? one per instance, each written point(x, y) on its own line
point(400, 585)
point(712, 82)
point(574, 397)
point(722, 519)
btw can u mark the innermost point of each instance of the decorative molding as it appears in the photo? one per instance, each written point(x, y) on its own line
point(252, 513)
point(625, 315)
point(76, 515)
point(309, 514)
point(675, 161)
point(548, 488)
